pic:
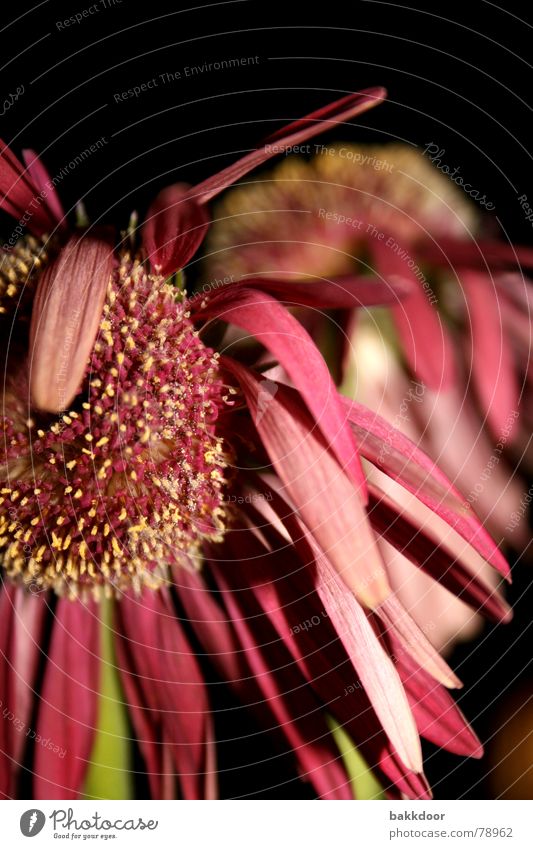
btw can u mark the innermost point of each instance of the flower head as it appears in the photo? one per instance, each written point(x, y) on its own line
point(126, 437)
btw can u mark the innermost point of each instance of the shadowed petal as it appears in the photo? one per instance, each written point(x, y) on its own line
point(172, 687)
point(66, 315)
point(68, 707)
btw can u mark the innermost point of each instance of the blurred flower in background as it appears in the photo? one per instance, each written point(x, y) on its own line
point(449, 365)
point(180, 478)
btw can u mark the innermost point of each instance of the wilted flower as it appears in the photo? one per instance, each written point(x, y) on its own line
point(212, 502)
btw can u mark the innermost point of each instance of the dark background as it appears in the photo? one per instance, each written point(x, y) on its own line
point(460, 76)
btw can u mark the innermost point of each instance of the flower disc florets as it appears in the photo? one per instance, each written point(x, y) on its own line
point(129, 480)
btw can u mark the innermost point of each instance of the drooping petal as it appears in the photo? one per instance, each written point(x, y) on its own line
point(477, 253)
point(492, 360)
point(68, 706)
point(334, 293)
point(399, 458)
point(283, 335)
point(324, 496)
point(424, 338)
point(41, 179)
point(66, 315)
point(295, 133)
point(21, 197)
point(174, 228)
point(434, 554)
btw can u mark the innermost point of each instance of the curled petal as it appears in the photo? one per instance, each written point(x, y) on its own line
point(174, 229)
point(66, 315)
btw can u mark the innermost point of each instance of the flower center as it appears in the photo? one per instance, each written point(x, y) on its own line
point(129, 482)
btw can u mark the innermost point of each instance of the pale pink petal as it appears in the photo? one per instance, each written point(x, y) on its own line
point(66, 315)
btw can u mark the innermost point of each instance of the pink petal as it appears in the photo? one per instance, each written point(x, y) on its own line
point(299, 131)
point(66, 315)
point(276, 329)
point(400, 459)
point(424, 338)
point(492, 360)
point(41, 179)
point(324, 496)
point(174, 228)
point(68, 707)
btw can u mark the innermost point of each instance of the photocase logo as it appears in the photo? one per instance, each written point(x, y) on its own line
point(32, 822)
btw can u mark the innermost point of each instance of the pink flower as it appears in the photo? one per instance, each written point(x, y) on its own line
point(141, 464)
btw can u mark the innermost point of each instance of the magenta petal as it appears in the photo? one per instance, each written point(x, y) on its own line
point(296, 133)
point(424, 338)
point(371, 663)
point(68, 707)
point(399, 458)
point(413, 641)
point(275, 328)
point(174, 228)
point(492, 360)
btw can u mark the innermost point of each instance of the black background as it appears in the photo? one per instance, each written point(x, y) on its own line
point(460, 76)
